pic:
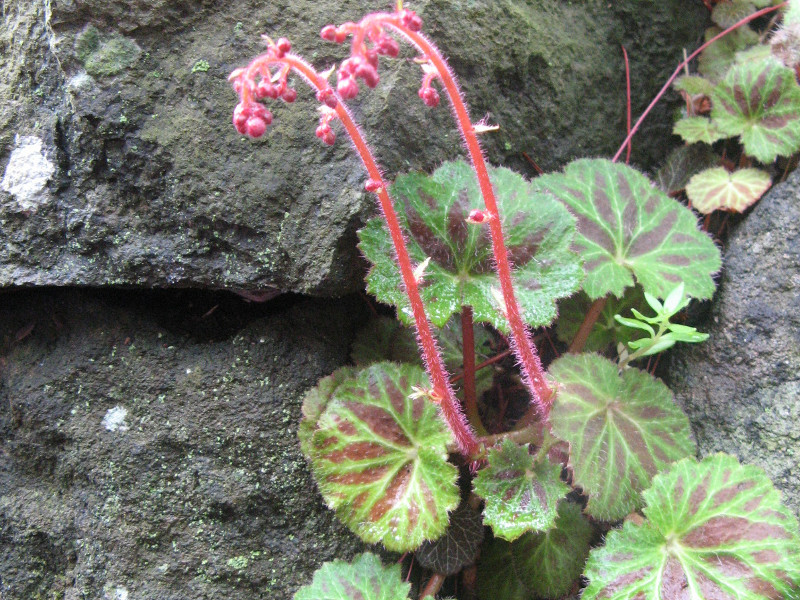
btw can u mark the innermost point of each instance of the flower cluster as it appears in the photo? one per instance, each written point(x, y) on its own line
point(258, 82)
point(370, 41)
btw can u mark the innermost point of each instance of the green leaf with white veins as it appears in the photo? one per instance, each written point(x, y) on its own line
point(627, 227)
point(715, 530)
point(760, 102)
point(379, 455)
point(521, 491)
point(433, 210)
point(363, 579)
point(622, 430)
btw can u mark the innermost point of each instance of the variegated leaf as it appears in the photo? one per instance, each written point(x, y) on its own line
point(521, 491)
point(363, 579)
point(718, 189)
point(537, 565)
point(622, 430)
point(715, 530)
point(433, 210)
point(627, 227)
point(760, 102)
point(697, 129)
point(379, 455)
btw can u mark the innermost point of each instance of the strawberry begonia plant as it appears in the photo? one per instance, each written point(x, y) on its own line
point(478, 248)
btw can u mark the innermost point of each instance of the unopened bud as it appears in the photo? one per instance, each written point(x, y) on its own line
point(326, 134)
point(429, 96)
point(327, 97)
point(289, 95)
point(347, 88)
point(388, 46)
point(373, 185)
point(283, 45)
point(410, 19)
point(478, 217)
point(328, 33)
point(368, 73)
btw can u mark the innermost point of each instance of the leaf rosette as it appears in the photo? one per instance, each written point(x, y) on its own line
point(378, 452)
point(622, 429)
point(714, 529)
point(629, 228)
point(434, 209)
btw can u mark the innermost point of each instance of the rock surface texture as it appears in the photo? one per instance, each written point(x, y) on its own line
point(140, 462)
point(141, 179)
point(741, 388)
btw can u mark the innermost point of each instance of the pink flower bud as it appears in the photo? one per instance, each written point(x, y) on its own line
point(368, 73)
point(429, 96)
point(388, 46)
point(327, 97)
point(371, 56)
point(289, 95)
point(328, 33)
point(240, 115)
point(260, 111)
point(347, 88)
point(372, 185)
point(265, 89)
point(410, 19)
point(255, 127)
point(478, 217)
point(326, 134)
point(340, 35)
point(349, 66)
point(283, 45)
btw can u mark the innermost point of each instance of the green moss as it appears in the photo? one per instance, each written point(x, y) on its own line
point(105, 55)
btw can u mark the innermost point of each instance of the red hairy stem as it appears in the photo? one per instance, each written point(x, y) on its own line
point(531, 366)
point(680, 67)
point(442, 390)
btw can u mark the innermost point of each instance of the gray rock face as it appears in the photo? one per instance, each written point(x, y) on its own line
point(141, 180)
point(139, 463)
point(741, 388)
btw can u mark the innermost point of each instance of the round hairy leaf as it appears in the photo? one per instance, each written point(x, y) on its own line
point(521, 492)
point(458, 547)
point(627, 227)
point(718, 189)
point(681, 164)
point(760, 101)
point(433, 210)
point(363, 579)
point(622, 430)
point(730, 12)
point(541, 565)
point(715, 529)
point(693, 85)
point(715, 60)
point(607, 331)
point(379, 456)
point(697, 129)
